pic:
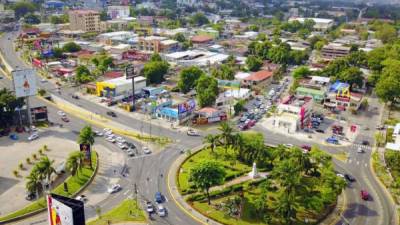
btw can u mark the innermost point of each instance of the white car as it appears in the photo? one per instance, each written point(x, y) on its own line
point(114, 188)
point(81, 198)
point(61, 113)
point(340, 175)
point(110, 139)
point(33, 128)
point(360, 150)
point(192, 132)
point(98, 133)
point(146, 150)
point(120, 140)
point(161, 210)
point(122, 146)
point(105, 130)
point(288, 145)
point(33, 137)
point(149, 207)
point(130, 152)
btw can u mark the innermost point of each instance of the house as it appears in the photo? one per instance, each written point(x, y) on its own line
point(321, 24)
point(209, 115)
point(118, 11)
point(396, 137)
point(195, 58)
point(294, 112)
point(199, 40)
point(116, 37)
point(84, 20)
point(257, 78)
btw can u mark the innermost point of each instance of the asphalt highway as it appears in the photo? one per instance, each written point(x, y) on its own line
point(378, 211)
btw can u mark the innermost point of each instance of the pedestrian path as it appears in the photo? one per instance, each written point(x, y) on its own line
point(239, 180)
point(357, 146)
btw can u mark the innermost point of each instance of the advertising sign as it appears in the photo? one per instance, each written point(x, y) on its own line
point(24, 82)
point(65, 211)
point(187, 106)
point(232, 84)
point(85, 149)
point(130, 72)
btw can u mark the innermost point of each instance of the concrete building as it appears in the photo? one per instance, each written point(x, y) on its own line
point(262, 77)
point(293, 113)
point(196, 58)
point(116, 37)
point(157, 44)
point(84, 20)
point(332, 51)
point(119, 87)
point(118, 11)
point(320, 23)
point(395, 145)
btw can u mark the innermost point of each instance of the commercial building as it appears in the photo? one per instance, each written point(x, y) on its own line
point(294, 112)
point(118, 11)
point(395, 145)
point(317, 95)
point(196, 58)
point(340, 98)
point(320, 23)
point(332, 51)
point(116, 37)
point(262, 77)
point(157, 44)
point(119, 87)
point(84, 20)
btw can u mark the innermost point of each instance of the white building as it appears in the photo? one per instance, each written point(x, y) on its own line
point(396, 137)
point(190, 3)
point(320, 23)
point(118, 11)
point(196, 58)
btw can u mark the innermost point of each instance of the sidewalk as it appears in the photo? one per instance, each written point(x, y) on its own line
point(178, 198)
point(239, 180)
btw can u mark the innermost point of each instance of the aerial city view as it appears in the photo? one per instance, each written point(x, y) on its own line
point(196, 112)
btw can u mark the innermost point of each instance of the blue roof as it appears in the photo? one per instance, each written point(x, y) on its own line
point(54, 4)
point(338, 86)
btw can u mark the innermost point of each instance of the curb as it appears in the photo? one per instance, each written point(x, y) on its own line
point(28, 215)
point(173, 191)
point(395, 219)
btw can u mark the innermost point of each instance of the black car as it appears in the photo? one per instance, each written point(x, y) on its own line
point(319, 131)
point(365, 142)
point(111, 113)
point(30, 196)
point(349, 177)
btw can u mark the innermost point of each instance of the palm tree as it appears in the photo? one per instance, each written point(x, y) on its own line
point(33, 183)
point(212, 140)
point(86, 136)
point(74, 162)
point(226, 133)
point(286, 207)
point(45, 167)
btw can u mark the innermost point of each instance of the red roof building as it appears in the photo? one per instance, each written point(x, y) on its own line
point(258, 77)
point(202, 39)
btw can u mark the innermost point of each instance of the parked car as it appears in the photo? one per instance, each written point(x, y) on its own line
point(130, 152)
point(111, 113)
point(75, 97)
point(81, 198)
point(320, 131)
point(98, 133)
point(340, 175)
point(122, 146)
point(364, 195)
point(159, 197)
point(306, 147)
point(365, 142)
point(30, 196)
point(65, 119)
point(360, 150)
point(332, 140)
point(349, 177)
point(288, 145)
point(114, 188)
point(146, 150)
point(61, 113)
point(149, 207)
point(161, 210)
point(33, 137)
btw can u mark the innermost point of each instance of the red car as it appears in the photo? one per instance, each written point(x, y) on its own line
point(65, 119)
point(306, 147)
point(364, 195)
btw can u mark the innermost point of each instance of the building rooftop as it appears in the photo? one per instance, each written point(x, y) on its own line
point(310, 90)
point(202, 38)
point(84, 11)
point(259, 76)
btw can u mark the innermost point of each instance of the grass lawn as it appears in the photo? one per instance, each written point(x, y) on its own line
point(122, 213)
point(231, 167)
point(74, 184)
point(342, 156)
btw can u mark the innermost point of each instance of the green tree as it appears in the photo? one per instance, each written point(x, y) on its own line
point(86, 136)
point(239, 106)
point(21, 8)
point(71, 47)
point(83, 75)
point(226, 133)
point(45, 167)
point(388, 85)
point(75, 162)
point(8, 104)
point(206, 90)
point(154, 71)
point(180, 37)
point(58, 52)
point(253, 27)
point(155, 57)
point(379, 139)
point(386, 33)
point(207, 174)
point(352, 75)
point(301, 72)
point(59, 19)
point(280, 53)
point(212, 140)
point(199, 19)
point(253, 63)
point(31, 18)
point(33, 183)
point(224, 72)
point(297, 57)
point(188, 78)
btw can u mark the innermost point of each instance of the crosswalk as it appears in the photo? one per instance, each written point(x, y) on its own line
point(357, 146)
point(357, 162)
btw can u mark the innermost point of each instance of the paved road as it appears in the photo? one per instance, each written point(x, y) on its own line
point(375, 212)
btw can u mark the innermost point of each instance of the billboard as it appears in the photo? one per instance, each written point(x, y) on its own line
point(187, 106)
point(232, 84)
point(65, 211)
point(24, 82)
point(85, 149)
